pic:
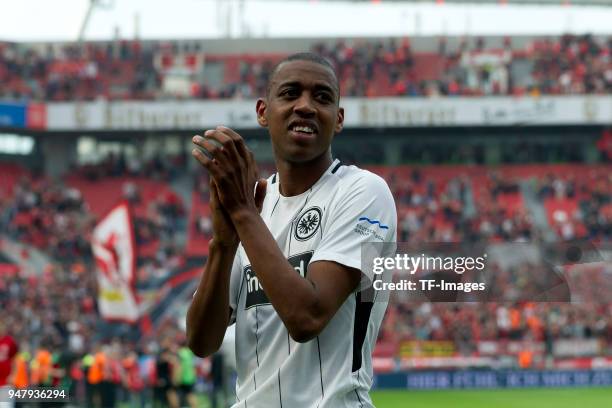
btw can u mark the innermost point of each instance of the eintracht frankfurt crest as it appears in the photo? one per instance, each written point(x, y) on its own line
point(308, 224)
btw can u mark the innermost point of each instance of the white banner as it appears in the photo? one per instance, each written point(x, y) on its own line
point(150, 115)
point(485, 111)
point(114, 250)
point(577, 347)
point(359, 112)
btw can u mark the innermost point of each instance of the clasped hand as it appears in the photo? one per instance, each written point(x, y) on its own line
point(233, 171)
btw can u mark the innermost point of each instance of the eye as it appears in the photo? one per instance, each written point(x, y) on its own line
point(325, 96)
point(289, 92)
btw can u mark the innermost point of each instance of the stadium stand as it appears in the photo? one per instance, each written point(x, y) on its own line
point(134, 70)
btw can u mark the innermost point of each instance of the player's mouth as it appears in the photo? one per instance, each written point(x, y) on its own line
point(302, 131)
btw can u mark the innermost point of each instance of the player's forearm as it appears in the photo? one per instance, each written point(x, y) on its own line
point(294, 298)
point(208, 314)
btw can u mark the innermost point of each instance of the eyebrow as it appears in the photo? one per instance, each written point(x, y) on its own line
point(298, 84)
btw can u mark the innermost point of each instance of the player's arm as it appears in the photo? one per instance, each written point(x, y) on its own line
point(305, 305)
point(209, 312)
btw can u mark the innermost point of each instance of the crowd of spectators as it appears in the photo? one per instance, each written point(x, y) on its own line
point(50, 216)
point(493, 209)
point(470, 323)
point(446, 210)
point(497, 218)
point(429, 210)
point(509, 311)
point(77, 71)
point(53, 216)
point(114, 165)
point(590, 216)
point(57, 307)
point(572, 65)
point(568, 65)
point(135, 70)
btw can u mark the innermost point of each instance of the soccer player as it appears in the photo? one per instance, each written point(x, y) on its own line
point(285, 258)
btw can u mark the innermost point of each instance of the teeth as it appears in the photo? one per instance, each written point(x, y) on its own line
point(304, 129)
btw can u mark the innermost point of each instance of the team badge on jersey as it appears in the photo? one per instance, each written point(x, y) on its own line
point(308, 224)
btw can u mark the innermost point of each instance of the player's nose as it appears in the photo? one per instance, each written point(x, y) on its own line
point(304, 105)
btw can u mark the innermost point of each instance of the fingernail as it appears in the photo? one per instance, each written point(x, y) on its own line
point(208, 132)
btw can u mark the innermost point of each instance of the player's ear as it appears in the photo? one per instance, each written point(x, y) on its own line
point(340, 122)
point(260, 108)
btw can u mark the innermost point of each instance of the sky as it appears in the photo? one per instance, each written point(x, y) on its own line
point(60, 20)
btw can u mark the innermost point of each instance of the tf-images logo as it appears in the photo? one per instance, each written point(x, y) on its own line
point(255, 293)
point(307, 224)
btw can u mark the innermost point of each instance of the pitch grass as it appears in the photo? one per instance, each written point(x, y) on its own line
point(517, 398)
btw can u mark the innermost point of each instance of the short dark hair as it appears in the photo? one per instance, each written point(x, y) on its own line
point(304, 56)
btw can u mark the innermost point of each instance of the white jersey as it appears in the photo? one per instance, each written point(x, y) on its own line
point(346, 207)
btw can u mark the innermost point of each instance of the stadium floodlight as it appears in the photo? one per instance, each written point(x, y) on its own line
point(108, 4)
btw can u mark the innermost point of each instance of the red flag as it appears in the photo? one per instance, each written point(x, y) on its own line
point(115, 253)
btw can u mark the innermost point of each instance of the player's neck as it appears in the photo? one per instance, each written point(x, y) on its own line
point(296, 178)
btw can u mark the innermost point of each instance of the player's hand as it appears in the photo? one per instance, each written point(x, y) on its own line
point(233, 170)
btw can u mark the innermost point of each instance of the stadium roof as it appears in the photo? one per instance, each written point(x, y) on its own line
point(62, 20)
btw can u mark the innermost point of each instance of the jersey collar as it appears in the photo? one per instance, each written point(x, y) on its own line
point(332, 169)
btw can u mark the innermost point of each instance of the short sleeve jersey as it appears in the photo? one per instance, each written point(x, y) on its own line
point(346, 207)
